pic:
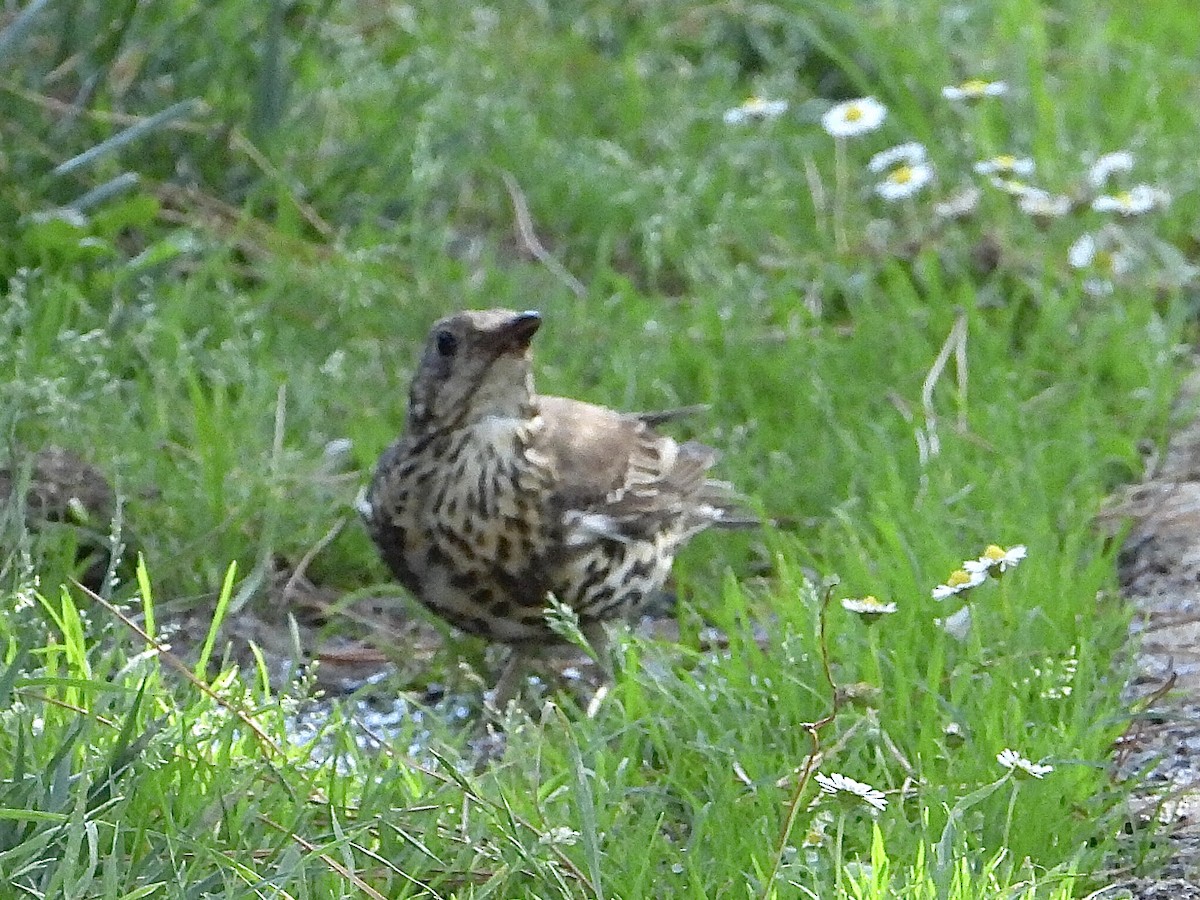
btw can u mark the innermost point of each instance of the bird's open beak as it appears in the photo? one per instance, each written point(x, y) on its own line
point(516, 333)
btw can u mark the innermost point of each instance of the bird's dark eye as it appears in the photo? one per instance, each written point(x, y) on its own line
point(446, 343)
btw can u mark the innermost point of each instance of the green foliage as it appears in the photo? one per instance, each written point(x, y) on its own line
point(224, 229)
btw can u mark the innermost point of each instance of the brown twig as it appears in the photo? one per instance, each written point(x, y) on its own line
point(310, 555)
point(814, 735)
point(529, 239)
point(310, 847)
point(176, 663)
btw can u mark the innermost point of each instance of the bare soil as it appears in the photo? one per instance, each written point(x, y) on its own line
point(1160, 577)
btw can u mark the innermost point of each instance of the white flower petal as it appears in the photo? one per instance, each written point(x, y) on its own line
point(1108, 165)
point(868, 606)
point(975, 89)
point(958, 205)
point(1015, 762)
point(1043, 204)
point(1139, 199)
point(957, 625)
point(911, 154)
point(904, 182)
point(1014, 186)
point(755, 109)
point(837, 785)
point(1005, 165)
point(854, 117)
point(1082, 251)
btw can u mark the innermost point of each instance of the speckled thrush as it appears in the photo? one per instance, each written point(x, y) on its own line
point(496, 496)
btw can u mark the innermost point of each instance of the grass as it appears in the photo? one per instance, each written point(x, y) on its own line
point(222, 237)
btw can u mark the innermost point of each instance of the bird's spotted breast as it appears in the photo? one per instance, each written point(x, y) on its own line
point(473, 526)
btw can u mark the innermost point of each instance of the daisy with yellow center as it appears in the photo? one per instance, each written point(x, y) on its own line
point(1012, 186)
point(1139, 199)
point(975, 89)
point(755, 109)
point(854, 117)
point(848, 790)
point(996, 560)
point(907, 171)
point(1103, 257)
point(816, 835)
point(960, 580)
point(868, 608)
point(1005, 164)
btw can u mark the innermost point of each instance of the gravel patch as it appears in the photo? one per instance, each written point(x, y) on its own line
point(1160, 576)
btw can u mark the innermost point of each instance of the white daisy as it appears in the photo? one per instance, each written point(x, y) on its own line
point(960, 580)
point(869, 608)
point(910, 154)
point(1141, 198)
point(1108, 165)
point(1042, 204)
point(953, 735)
point(842, 787)
point(1020, 766)
point(1102, 257)
point(904, 181)
point(997, 558)
point(975, 89)
point(854, 117)
point(1005, 164)
point(1013, 186)
point(959, 205)
point(755, 109)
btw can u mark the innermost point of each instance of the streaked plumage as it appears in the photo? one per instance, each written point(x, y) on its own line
point(495, 496)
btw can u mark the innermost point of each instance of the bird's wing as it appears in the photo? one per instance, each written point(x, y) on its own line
point(618, 478)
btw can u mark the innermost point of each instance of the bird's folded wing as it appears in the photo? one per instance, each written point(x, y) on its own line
point(617, 478)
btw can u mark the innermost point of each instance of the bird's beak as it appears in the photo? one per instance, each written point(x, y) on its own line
point(516, 333)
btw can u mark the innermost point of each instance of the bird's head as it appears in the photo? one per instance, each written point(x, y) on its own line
point(475, 364)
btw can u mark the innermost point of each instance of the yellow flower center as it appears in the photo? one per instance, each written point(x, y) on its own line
point(1125, 198)
point(957, 577)
point(975, 86)
point(901, 175)
point(854, 113)
point(1105, 261)
point(1007, 163)
point(993, 552)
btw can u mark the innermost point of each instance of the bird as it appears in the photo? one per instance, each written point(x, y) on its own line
point(495, 498)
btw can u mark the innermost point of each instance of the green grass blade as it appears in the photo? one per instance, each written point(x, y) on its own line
point(148, 126)
point(210, 638)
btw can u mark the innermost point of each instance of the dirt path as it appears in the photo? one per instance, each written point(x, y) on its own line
point(1160, 575)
